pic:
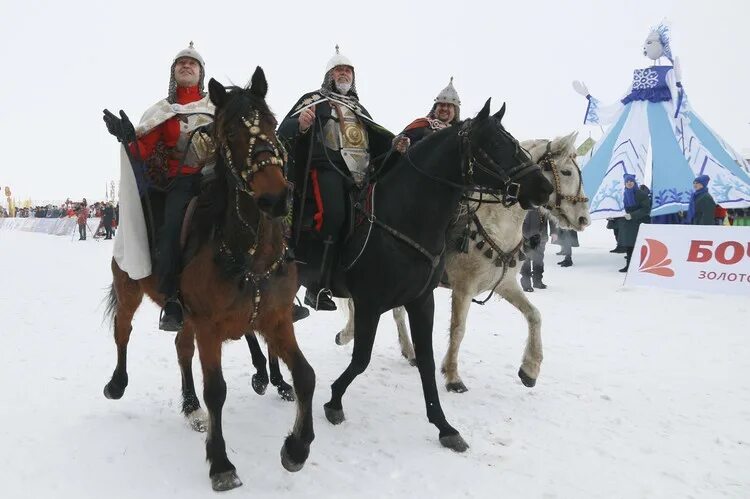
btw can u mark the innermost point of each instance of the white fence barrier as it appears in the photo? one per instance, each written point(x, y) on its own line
point(55, 226)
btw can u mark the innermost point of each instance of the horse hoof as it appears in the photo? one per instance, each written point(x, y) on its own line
point(259, 384)
point(413, 362)
point(288, 463)
point(526, 379)
point(286, 394)
point(457, 387)
point(455, 443)
point(226, 480)
point(113, 391)
point(334, 416)
point(198, 420)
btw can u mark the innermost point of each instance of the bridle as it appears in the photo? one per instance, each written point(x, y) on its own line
point(548, 164)
point(474, 158)
point(258, 143)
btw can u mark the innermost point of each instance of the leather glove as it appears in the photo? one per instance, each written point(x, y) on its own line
point(114, 124)
point(128, 130)
point(120, 127)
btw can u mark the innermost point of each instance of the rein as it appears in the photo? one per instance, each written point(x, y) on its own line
point(434, 260)
point(480, 161)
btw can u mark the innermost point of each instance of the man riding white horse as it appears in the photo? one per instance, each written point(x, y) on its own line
point(333, 141)
point(446, 111)
point(165, 138)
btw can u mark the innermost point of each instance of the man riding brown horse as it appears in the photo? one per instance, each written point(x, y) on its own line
point(333, 142)
point(166, 141)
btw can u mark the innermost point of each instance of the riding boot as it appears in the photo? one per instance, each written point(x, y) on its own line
point(299, 312)
point(319, 296)
point(170, 318)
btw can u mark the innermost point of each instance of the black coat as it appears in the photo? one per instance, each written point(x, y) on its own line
point(704, 210)
point(640, 213)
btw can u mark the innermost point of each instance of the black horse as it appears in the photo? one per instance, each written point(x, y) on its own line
point(395, 256)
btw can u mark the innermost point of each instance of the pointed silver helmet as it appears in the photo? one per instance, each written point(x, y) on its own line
point(338, 59)
point(448, 95)
point(193, 54)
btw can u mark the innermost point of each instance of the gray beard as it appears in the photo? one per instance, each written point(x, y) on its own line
point(343, 88)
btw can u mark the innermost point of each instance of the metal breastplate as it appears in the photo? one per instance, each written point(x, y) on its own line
point(198, 151)
point(346, 133)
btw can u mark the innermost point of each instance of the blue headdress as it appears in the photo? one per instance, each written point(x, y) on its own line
point(663, 31)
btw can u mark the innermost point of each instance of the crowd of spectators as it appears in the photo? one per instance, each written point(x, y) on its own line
point(67, 209)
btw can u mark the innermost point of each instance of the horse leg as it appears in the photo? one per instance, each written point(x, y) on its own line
point(286, 392)
point(532, 355)
point(184, 343)
point(365, 326)
point(296, 446)
point(459, 310)
point(347, 334)
point(421, 315)
point(222, 472)
point(259, 380)
point(407, 351)
point(125, 297)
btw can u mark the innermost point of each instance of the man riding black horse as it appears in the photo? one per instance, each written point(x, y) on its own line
point(445, 112)
point(333, 143)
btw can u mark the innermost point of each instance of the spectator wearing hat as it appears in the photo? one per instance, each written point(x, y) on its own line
point(637, 211)
point(702, 205)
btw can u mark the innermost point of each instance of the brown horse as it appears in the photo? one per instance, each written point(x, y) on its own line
point(238, 277)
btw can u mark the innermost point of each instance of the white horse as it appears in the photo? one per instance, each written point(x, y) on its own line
point(492, 261)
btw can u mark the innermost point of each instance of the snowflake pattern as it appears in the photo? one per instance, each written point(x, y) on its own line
point(645, 78)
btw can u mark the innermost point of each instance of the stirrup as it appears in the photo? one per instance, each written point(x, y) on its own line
point(171, 322)
point(323, 300)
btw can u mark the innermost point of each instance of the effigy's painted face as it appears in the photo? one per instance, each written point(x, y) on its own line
point(652, 48)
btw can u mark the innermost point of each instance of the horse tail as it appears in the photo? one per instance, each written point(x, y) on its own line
point(111, 304)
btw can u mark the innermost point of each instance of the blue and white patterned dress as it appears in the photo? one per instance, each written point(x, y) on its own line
point(656, 136)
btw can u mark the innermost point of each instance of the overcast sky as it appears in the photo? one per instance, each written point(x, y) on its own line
point(63, 62)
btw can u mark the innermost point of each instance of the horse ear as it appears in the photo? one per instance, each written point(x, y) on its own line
point(568, 142)
point(216, 92)
point(485, 112)
point(258, 83)
point(499, 115)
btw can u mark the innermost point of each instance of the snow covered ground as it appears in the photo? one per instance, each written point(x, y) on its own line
point(642, 393)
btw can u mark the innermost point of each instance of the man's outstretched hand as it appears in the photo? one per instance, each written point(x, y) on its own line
point(121, 127)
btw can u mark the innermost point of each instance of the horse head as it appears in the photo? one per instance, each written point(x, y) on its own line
point(497, 161)
point(245, 135)
point(568, 204)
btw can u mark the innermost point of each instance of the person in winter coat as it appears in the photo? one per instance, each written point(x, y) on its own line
point(637, 211)
point(108, 219)
point(535, 234)
point(702, 205)
point(83, 215)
